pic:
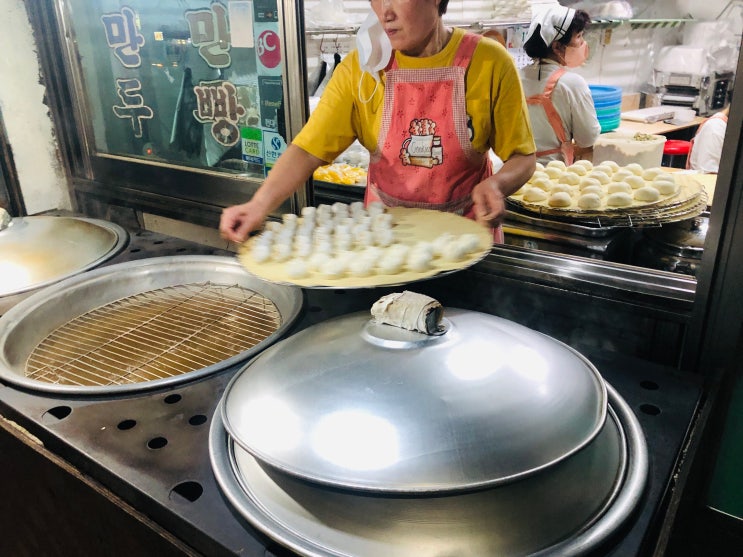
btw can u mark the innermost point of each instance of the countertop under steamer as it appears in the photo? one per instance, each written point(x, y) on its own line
point(150, 448)
point(683, 77)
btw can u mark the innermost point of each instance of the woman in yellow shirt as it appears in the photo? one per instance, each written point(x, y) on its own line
point(428, 116)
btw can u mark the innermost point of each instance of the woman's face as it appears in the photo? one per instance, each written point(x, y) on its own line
point(577, 39)
point(410, 24)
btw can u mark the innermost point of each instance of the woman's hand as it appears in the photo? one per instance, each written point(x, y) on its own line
point(489, 196)
point(490, 203)
point(293, 168)
point(238, 221)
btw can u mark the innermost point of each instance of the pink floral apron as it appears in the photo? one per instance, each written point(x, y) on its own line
point(545, 100)
point(424, 156)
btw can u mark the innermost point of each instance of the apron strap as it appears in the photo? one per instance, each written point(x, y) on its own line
point(544, 99)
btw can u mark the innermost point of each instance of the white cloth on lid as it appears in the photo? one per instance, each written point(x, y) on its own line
point(553, 20)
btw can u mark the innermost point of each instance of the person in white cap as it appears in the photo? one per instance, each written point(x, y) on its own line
point(560, 104)
point(428, 102)
point(706, 145)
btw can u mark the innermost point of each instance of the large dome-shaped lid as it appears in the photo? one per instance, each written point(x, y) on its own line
point(39, 250)
point(357, 404)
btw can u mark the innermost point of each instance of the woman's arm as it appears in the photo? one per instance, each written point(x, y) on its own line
point(293, 168)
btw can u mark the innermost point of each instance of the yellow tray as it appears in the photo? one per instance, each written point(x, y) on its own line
point(410, 227)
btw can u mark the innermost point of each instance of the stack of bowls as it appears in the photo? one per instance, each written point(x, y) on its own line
point(607, 101)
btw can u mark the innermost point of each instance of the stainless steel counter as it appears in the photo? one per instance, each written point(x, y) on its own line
point(151, 450)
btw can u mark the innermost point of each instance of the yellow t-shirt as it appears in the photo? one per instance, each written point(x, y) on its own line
point(494, 98)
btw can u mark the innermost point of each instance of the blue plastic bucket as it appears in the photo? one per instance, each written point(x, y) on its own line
point(607, 101)
point(610, 124)
point(604, 95)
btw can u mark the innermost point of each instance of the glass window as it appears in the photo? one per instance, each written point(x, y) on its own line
point(192, 83)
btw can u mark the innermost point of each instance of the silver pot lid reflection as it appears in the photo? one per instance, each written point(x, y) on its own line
point(356, 404)
point(40, 250)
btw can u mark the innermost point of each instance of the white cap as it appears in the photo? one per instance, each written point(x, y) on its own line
point(554, 21)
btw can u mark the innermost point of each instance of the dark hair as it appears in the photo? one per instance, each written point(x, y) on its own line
point(535, 47)
point(442, 6)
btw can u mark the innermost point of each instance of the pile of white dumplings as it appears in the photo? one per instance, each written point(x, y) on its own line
point(586, 186)
point(334, 241)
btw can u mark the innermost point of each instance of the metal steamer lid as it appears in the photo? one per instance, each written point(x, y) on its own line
point(356, 404)
point(37, 251)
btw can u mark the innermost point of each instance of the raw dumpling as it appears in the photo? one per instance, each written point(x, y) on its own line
point(261, 252)
point(556, 164)
point(621, 175)
point(578, 169)
point(588, 181)
point(561, 187)
point(535, 195)
point(537, 175)
point(471, 243)
point(602, 177)
point(651, 173)
point(333, 268)
point(560, 199)
point(665, 187)
point(619, 199)
point(391, 263)
point(611, 164)
point(282, 251)
point(440, 242)
point(317, 260)
point(589, 201)
point(297, 268)
point(375, 208)
point(615, 187)
point(553, 172)
point(588, 165)
point(542, 183)
point(664, 177)
point(635, 181)
point(570, 178)
point(608, 170)
point(647, 193)
point(361, 267)
point(454, 251)
point(419, 261)
point(596, 189)
point(635, 168)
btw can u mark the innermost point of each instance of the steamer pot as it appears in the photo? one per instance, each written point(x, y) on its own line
point(356, 438)
point(41, 250)
point(141, 325)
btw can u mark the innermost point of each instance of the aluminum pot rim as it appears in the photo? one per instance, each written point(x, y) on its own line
point(615, 513)
point(119, 233)
point(294, 300)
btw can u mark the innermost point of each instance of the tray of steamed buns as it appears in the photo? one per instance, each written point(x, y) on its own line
point(355, 246)
point(602, 189)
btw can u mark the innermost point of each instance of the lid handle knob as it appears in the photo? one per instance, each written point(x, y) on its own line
point(409, 310)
